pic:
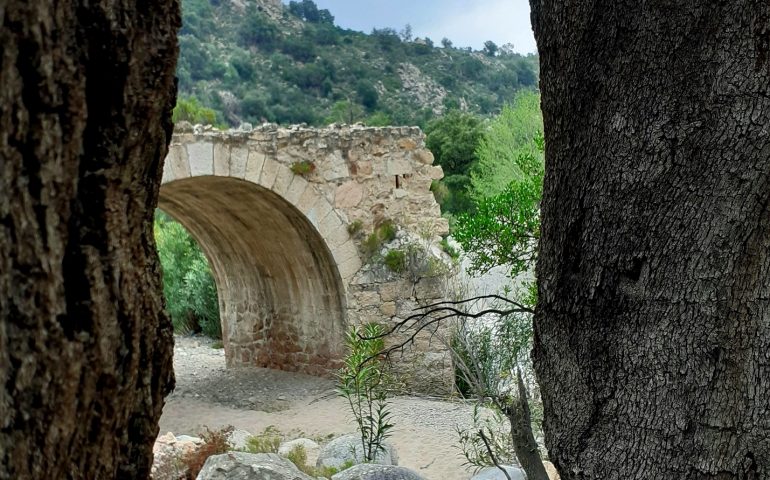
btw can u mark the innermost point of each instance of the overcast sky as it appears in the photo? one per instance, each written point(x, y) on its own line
point(468, 23)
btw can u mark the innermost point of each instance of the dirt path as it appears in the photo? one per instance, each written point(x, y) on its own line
point(207, 394)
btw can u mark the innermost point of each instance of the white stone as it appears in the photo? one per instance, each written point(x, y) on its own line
point(201, 156)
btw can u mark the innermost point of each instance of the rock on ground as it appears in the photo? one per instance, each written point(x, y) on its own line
point(369, 471)
point(348, 448)
point(250, 466)
point(494, 473)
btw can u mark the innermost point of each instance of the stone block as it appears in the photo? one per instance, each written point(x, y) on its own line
point(334, 166)
point(270, 171)
point(349, 194)
point(201, 155)
point(253, 166)
point(423, 156)
point(283, 181)
point(221, 159)
point(239, 159)
point(399, 166)
point(177, 157)
point(407, 144)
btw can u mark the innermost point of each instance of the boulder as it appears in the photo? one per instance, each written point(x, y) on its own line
point(347, 448)
point(250, 466)
point(311, 449)
point(370, 471)
point(494, 473)
point(239, 439)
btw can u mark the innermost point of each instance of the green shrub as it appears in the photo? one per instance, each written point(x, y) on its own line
point(305, 167)
point(395, 260)
point(387, 231)
point(266, 442)
point(189, 287)
point(362, 381)
point(453, 253)
point(355, 226)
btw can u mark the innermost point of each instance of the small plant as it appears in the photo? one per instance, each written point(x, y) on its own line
point(215, 442)
point(385, 232)
point(498, 437)
point(355, 226)
point(395, 260)
point(305, 167)
point(453, 253)
point(362, 381)
point(218, 345)
point(266, 442)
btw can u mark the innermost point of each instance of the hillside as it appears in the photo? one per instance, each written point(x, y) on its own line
point(258, 60)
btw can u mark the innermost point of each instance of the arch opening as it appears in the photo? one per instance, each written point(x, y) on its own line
point(281, 297)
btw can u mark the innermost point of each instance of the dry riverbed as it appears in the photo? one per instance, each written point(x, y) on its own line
point(208, 394)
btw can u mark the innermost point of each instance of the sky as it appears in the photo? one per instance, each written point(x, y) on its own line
point(467, 23)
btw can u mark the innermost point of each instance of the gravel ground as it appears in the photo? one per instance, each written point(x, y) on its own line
point(208, 394)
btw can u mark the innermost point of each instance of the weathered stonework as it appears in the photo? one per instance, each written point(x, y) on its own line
point(290, 275)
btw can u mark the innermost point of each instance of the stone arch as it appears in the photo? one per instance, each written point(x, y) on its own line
point(280, 253)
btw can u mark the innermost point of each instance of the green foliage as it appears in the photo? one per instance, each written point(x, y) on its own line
point(188, 109)
point(355, 227)
point(362, 382)
point(505, 228)
point(490, 48)
point(509, 150)
point(258, 31)
point(453, 253)
point(472, 446)
point(284, 71)
point(453, 140)
point(189, 288)
point(266, 442)
point(367, 94)
point(386, 231)
point(395, 260)
point(305, 167)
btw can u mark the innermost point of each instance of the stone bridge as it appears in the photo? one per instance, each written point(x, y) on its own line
point(282, 213)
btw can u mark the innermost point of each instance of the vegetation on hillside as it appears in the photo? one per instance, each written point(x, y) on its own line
point(252, 62)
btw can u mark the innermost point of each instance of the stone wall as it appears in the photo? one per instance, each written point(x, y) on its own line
point(272, 207)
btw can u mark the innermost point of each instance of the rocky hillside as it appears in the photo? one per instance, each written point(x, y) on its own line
point(260, 60)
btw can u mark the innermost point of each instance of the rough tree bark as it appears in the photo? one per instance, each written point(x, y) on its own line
point(652, 336)
point(85, 121)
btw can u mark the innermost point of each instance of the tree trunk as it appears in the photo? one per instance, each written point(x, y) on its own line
point(85, 348)
point(653, 329)
point(524, 443)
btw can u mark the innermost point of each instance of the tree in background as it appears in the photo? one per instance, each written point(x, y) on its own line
point(189, 287)
point(651, 332)
point(490, 48)
point(453, 140)
point(508, 143)
point(190, 110)
point(85, 345)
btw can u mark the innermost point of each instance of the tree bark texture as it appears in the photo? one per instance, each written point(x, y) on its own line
point(652, 336)
point(86, 92)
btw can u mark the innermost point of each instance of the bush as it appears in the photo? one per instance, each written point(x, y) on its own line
point(267, 442)
point(305, 167)
point(214, 443)
point(395, 260)
point(189, 287)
